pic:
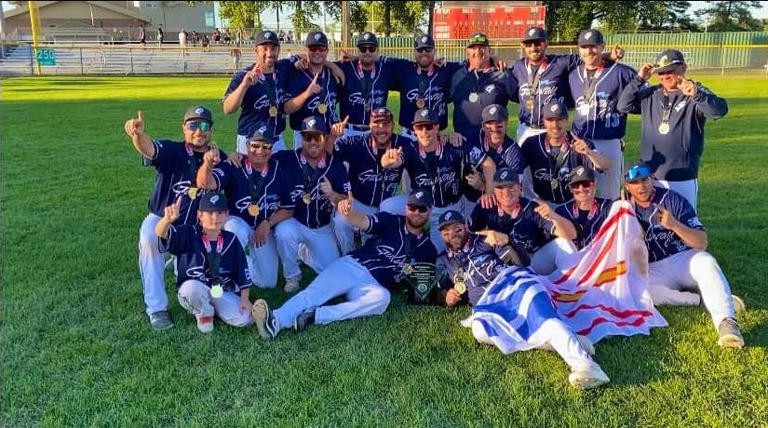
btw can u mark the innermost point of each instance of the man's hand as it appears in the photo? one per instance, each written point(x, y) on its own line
point(236, 159)
point(337, 129)
point(326, 187)
point(135, 127)
point(454, 138)
point(245, 306)
point(543, 209)
point(212, 156)
point(617, 54)
point(394, 155)
point(344, 56)
point(260, 234)
point(488, 201)
point(314, 88)
point(252, 76)
point(452, 297)
point(494, 238)
point(171, 212)
point(580, 146)
point(302, 63)
point(687, 86)
point(475, 180)
point(345, 205)
point(645, 71)
point(665, 218)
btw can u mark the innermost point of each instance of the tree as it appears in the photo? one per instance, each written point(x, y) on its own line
point(731, 16)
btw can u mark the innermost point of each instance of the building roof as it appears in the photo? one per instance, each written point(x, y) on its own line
point(23, 9)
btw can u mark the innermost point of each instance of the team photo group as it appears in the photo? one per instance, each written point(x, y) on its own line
point(554, 241)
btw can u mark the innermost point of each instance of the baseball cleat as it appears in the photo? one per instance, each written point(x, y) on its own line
point(588, 378)
point(738, 304)
point(160, 320)
point(304, 319)
point(729, 334)
point(205, 324)
point(265, 322)
point(291, 284)
point(586, 344)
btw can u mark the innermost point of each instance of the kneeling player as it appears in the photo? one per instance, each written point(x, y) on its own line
point(676, 242)
point(363, 275)
point(472, 263)
point(211, 264)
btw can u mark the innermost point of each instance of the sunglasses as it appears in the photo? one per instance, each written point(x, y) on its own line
point(312, 137)
point(318, 48)
point(478, 40)
point(423, 126)
point(424, 50)
point(262, 146)
point(637, 172)
point(365, 49)
point(420, 208)
point(194, 125)
point(581, 184)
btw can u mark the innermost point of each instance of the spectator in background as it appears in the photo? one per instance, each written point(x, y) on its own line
point(205, 43)
point(289, 37)
point(142, 35)
point(183, 42)
point(227, 38)
point(235, 53)
point(216, 36)
point(160, 35)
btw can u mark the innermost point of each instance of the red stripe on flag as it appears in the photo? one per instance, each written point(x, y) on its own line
point(613, 311)
point(636, 323)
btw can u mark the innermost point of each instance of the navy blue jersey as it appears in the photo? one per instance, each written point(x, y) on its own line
point(662, 242)
point(391, 247)
point(267, 92)
point(365, 90)
point(298, 177)
point(676, 154)
point(440, 171)
point(508, 155)
point(432, 86)
point(527, 228)
point(543, 84)
point(176, 164)
point(370, 182)
point(597, 118)
point(544, 166)
point(586, 222)
point(477, 263)
point(298, 81)
point(192, 258)
point(240, 183)
point(471, 91)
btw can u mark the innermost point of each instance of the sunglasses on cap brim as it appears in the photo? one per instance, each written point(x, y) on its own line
point(637, 172)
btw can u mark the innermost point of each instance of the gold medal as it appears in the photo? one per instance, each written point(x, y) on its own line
point(420, 103)
point(554, 184)
point(460, 286)
point(254, 210)
point(192, 192)
point(473, 97)
point(322, 108)
point(407, 269)
point(529, 103)
point(664, 128)
point(217, 291)
point(272, 111)
point(307, 198)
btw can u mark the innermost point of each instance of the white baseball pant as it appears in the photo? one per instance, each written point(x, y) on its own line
point(242, 144)
point(555, 254)
point(609, 182)
point(152, 266)
point(523, 133)
point(195, 298)
point(365, 296)
point(320, 244)
point(691, 270)
point(344, 232)
point(689, 189)
point(396, 205)
point(262, 261)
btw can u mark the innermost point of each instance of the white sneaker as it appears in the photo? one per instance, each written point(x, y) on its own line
point(205, 324)
point(291, 284)
point(588, 378)
point(586, 344)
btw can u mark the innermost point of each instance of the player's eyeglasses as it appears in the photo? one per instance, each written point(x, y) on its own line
point(312, 137)
point(318, 48)
point(365, 49)
point(420, 208)
point(637, 172)
point(581, 184)
point(424, 50)
point(260, 145)
point(193, 125)
point(423, 126)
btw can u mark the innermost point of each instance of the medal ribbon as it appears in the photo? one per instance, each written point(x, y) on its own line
point(257, 181)
point(533, 81)
point(193, 163)
point(592, 210)
point(430, 164)
point(515, 211)
point(270, 87)
point(666, 107)
point(310, 175)
point(591, 83)
point(213, 256)
point(560, 159)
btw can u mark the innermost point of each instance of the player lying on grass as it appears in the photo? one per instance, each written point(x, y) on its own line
point(212, 276)
point(676, 242)
point(473, 262)
point(364, 275)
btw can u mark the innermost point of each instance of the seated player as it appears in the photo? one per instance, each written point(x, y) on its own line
point(363, 276)
point(585, 211)
point(530, 224)
point(472, 264)
point(212, 275)
point(676, 242)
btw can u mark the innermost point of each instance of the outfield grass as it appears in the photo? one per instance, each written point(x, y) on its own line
point(77, 348)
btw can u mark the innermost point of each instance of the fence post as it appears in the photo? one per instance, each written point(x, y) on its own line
point(130, 54)
point(722, 59)
point(82, 66)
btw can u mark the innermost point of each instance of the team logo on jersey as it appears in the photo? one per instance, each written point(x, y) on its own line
point(317, 36)
point(195, 272)
point(588, 35)
point(199, 110)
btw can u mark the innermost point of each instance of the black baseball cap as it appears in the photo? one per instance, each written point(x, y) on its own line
point(267, 36)
point(555, 110)
point(667, 60)
point(382, 113)
point(423, 41)
point(591, 38)
point(316, 38)
point(313, 125)
point(448, 218)
point(504, 177)
point(260, 134)
point(213, 201)
point(424, 116)
point(581, 173)
point(198, 112)
point(478, 39)
point(367, 38)
point(420, 198)
point(535, 33)
point(495, 112)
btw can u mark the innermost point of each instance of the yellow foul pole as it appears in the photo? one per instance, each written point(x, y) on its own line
point(34, 18)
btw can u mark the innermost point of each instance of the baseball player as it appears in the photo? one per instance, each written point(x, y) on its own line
point(595, 87)
point(370, 182)
point(316, 182)
point(258, 201)
point(212, 272)
point(673, 113)
point(176, 163)
point(530, 224)
point(586, 212)
point(472, 262)
point(363, 276)
point(434, 166)
point(259, 92)
point(553, 155)
point(677, 243)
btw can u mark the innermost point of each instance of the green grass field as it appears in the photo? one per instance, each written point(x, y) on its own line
point(77, 348)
